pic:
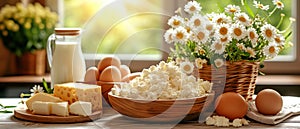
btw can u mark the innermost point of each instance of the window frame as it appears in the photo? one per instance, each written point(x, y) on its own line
point(271, 67)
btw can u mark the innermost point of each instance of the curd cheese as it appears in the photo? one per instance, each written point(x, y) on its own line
point(163, 81)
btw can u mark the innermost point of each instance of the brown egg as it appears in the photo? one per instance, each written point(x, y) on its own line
point(231, 105)
point(124, 70)
point(91, 75)
point(268, 102)
point(108, 61)
point(131, 76)
point(110, 74)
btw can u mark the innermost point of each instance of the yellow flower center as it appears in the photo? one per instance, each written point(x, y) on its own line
point(224, 39)
point(176, 22)
point(237, 31)
point(220, 20)
point(279, 3)
point(209, 27)
point(251, 35)
point(186, 68)
point(200, 35)
point(197, 22)
point(202, 52)
point(242, 19)
point(269, 33)
point(188, 29)
point(277, 39)
point(218, 46)
point(179, 35)
point(193, 8)
point(272, 49)
point(260, 6)
point(223, 31)
point(232, 10)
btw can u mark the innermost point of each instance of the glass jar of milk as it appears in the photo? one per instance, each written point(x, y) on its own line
point(65, 56)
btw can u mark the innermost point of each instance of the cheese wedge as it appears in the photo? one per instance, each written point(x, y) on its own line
point(60, 109)
point(44, 97)
point(81, 108)
point(42, 108)
point(73, 92)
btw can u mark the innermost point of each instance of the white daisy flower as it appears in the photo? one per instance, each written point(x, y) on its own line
point(210, 16)
point(36, 89)
point(219, 62)
point(279, 40)
point(232, 9)
point(175, 21)
point(168, 35)
point(197, 20)
point(260, 6)
point(271, 51)
point(238, 31)
point(187, 67)
point(192, 7)
point(278, 4)
point(221, 18)
point(241, 46)
point(268, 32)
point(199, 62)
point(180, 35)
point(200, 35)
point(242, 18)
point(253, 36)
point(218, 47)
point(251, 52)
point(222, 30)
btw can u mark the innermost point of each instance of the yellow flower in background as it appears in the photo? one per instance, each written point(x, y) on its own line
point(17, 21)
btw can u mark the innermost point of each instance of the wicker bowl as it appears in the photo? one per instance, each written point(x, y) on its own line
point(160, 110)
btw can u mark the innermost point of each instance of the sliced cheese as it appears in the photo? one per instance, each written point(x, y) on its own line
point(73, 92)
point(81, 108)
point(44, 97)
point(60, 109)
point(42, 108)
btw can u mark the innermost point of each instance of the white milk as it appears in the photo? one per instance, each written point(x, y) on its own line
point(67, 63)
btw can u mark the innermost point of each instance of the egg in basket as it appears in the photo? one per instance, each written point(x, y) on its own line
point(162, 93)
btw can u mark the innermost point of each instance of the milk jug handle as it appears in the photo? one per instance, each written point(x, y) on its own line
point(50, 41)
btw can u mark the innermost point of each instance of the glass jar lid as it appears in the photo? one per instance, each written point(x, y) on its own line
point(67, 31)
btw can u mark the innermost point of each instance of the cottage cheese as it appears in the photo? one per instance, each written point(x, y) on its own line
point(221, 121)
point(163, 81)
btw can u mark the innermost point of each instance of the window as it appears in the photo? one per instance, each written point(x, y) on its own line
point(128, 27)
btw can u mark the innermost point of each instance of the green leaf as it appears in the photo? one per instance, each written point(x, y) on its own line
point(248, 9)
point(6, 111)
point(10, 106)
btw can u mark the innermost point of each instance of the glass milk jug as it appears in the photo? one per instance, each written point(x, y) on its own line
point(65, 56)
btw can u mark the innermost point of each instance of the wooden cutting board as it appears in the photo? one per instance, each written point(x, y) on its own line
point(27, 115)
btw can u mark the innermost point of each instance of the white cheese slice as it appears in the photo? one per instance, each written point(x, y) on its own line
point(81, 108)
point(60, 109)
point(43, 97)
point(42, 108)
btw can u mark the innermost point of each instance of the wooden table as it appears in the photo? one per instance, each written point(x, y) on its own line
point(112, 119)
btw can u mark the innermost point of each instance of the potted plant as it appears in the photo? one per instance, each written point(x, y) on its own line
point(228, 47)
point(24, 31)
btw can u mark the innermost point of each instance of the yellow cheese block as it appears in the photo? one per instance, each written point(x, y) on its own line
point(44, 97)
point(60, 109)
point(81, 108)
point(42, 108)
point(73, 92)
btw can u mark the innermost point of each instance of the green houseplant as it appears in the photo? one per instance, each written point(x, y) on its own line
point(24, 31)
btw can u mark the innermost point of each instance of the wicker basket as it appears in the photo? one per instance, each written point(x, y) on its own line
point(237, 77)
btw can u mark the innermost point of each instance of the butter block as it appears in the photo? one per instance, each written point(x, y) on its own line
point(43, 97)
point(81, 108)
point(73, 92)
point(42, 108)
point(60, 109)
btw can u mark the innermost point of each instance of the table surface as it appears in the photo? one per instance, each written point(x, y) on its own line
point(112, 119)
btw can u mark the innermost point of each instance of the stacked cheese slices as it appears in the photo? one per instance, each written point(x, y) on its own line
point(68, 98)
